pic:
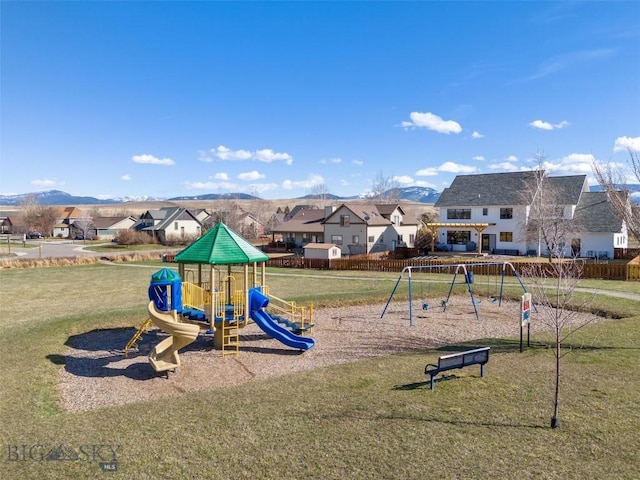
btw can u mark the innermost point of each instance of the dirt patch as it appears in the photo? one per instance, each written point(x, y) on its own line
point(95, 373)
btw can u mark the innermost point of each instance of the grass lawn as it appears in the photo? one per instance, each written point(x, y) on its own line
point(374, 418)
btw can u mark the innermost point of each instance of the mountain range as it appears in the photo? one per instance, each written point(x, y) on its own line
point(57, 197)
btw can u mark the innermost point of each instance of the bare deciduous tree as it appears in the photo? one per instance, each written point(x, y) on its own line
point(424, 237)
point(613, 181)
point(553, 287)
point(385, 189)
point(320, 192)
point(549, 223)
point(38, 217)
point(82, 226)
point(228, 212)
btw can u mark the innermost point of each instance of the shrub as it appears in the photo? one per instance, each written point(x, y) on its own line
point(132, 237)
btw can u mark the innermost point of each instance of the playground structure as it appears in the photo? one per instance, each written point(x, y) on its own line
point(466, 270)
point(165, 356)
point(221, 296)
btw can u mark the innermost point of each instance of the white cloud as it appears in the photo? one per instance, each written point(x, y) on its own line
point(478, 158)
point(126, 177)
point(46, 182)
point(220, 176)
point(573, 163)
point(331, 160)
point(427, 172)
point(542, 125)
point(265, 155)
point(432, 122)
point(264, 187)
point(511, 158)
point(224, 153)
point(358, 163)
point(204, 157)
point(344, 183)
point(311, 181)
point(403, 179)
point(624, 143)
point(253, 175)
point(452, 167)
point(446, 167)
point(506, 166)
point(152, 160)
point(477, 135)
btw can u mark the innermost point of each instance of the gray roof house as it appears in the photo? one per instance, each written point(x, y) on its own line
point(304, 226)
point(170, 224)
point(496, 212)
point(359, 228)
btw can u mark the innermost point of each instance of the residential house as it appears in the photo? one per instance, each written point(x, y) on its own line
point(305, 226)
point(169, 224)
point(69, 215)
point(12, 222)
point(250, 226)
point(369, 228)
point(106, 228)
point(496, 212)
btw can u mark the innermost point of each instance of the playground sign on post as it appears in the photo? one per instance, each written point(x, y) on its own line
point(525, 316)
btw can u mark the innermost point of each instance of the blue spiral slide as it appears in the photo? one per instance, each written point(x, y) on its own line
point(257, 303)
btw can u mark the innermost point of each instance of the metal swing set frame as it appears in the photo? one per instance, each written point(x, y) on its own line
point(460, 269)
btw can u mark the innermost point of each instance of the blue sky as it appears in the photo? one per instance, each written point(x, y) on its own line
point(115, 99)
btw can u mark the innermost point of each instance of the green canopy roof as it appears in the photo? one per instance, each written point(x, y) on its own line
point(165, 276)
point(221, 246)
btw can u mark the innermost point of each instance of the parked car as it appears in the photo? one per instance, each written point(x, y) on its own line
point(34, 235)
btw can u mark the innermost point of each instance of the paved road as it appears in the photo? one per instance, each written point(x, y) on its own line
point(63, 248)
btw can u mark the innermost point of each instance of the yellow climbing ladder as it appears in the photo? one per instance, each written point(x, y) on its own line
point(230, 338)
point(136, 336)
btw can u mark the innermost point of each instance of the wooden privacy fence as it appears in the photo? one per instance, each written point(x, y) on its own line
point(604, 271)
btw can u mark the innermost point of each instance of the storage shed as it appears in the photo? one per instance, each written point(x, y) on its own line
point(323, 251)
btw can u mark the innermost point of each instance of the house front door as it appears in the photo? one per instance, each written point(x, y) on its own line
point(575, 247)
point(488, 242)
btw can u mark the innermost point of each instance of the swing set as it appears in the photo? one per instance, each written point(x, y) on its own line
point(493, 270)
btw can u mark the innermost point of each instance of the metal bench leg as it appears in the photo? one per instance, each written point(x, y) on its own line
point(431, 381)
point(482, 370)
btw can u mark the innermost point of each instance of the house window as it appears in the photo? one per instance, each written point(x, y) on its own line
point(506, 236)
point(381, 239)
point(355, 240)
point(396, 219)
point(412, 238)
point(337, 239)
point(485, 212)
point(399, 238)
point(345, 220)
point(371, 239)
point(506, 213)
point(458, 213)
point(458, 237)
point(175, 225)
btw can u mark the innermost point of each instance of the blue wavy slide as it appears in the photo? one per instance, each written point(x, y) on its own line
point(257, 303)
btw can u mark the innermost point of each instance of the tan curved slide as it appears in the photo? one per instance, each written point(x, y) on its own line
point(165, 355)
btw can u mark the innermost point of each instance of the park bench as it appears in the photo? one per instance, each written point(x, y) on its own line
point(478, 356)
